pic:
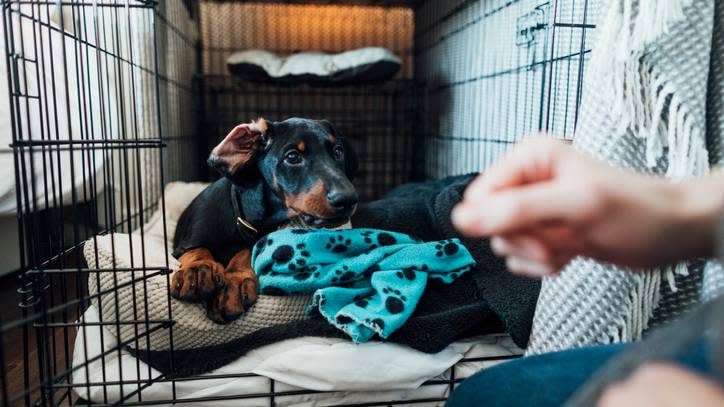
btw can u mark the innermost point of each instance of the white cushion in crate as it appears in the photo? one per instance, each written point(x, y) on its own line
point(192, 329)
point(370, 64)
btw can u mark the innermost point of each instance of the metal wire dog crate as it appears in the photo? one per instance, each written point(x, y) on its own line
point(109, 100)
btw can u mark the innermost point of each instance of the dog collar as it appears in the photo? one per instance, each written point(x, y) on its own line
point(246, 229)
point(246, 224)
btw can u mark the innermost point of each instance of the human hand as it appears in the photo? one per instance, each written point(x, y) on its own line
point(663, 385)
point(545, 203)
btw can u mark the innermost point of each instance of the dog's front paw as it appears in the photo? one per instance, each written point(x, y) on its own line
point(197, 281)
point(238, 296)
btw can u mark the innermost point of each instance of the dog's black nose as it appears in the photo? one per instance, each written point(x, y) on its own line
point(342, 199)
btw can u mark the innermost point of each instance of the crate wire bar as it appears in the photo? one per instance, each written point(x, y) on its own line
point(86, 99)
point(109, 100)
point(497, 71)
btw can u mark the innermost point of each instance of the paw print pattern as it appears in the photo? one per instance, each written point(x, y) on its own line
point(338, 245)
point(367, 237)
point(344, 319)
point(362, 302)
point(395, 302)
point(298, 264)
point(302, 250)
point(408, 273)
point(303, 274)
point(343, 275)
point(283, 254)
point(446, 247)
point(386, 239)
point(266, 270)
point(303, 255)
point(382, 239)
point(263, 243)
point(457, 272)
point(377, 322)
point(368, 273)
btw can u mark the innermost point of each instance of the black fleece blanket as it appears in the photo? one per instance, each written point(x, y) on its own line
point(487, 300)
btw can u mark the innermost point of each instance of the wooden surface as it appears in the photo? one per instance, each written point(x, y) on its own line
point(19, 344)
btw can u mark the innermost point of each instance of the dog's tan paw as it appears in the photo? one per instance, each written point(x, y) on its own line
point(197, 281)
point(238, 296)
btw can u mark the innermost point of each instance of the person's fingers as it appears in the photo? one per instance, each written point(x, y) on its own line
point(508, 211)
point(510, 170)
point(529, 161)
point(529, 268)
point(523, 247)
point(564, 240)
point(530, 248)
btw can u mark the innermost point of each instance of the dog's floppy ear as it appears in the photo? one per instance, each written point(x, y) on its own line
point(238, 149)
point(351, 163)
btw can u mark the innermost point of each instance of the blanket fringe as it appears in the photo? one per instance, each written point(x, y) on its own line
point(645, 102)
point(642, 301)
point(643, 99)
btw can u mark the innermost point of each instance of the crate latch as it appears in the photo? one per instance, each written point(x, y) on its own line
point(529, 24)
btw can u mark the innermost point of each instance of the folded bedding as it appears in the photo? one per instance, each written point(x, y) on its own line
point(348, 373)
point(363, 281)
point(370, 64)
point(487, 299)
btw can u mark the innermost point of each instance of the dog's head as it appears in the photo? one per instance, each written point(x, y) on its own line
point(307, 163)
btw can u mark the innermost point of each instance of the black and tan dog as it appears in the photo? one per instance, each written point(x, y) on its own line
point(273, 171)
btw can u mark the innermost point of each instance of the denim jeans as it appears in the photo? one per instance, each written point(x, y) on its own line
point(548, 380)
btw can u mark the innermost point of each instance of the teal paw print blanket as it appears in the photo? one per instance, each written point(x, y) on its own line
point(363, 281)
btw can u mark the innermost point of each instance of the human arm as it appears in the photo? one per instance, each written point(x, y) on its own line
point(545, 203)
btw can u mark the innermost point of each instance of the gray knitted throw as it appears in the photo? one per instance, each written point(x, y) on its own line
point(652, 102)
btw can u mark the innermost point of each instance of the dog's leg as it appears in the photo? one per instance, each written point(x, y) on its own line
point(240, 292)
point(198, 278)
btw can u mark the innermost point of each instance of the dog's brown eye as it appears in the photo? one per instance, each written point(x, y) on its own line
point(338, 152)
point(293, 157)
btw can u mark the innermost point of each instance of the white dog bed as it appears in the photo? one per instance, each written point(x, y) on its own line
point(369, 64)
point(350, 373)
point(147, 298)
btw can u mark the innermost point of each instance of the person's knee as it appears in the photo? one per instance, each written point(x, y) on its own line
point(542, 380)
point(473, 391)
